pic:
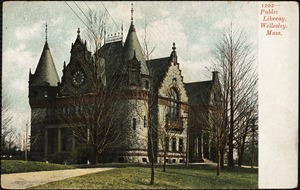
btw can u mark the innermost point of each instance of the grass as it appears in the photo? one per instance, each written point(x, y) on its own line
point(175, 177)
point(19, 166)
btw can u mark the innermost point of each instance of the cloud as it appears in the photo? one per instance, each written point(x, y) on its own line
point(162, 34)
point(29, 32)
point(56, 21)
point(15, 75)
point(194, 71)
point(15, 61)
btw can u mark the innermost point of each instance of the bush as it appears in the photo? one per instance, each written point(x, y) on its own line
point(81, 155)
point(19, 166)
point(248, 156)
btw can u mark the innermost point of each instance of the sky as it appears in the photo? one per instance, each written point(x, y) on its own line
point(194, 26)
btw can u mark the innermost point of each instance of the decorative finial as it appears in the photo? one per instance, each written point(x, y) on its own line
point(131, 13)
point(174, 48)
point(46, 31)
point(78, 31)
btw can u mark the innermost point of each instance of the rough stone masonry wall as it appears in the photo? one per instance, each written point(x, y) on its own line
point(135, 140)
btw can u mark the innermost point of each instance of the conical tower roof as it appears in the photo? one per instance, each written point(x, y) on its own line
point(132, 46)
point(45, 73)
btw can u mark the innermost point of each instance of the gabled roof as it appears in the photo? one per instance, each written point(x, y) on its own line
point(199, 92)
point(158, 69)
point(132, 46)
point(45, 73)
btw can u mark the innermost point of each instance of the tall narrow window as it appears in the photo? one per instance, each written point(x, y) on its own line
point(167, 143)
point(45, 94)
point(174, 144)
point(180, 145)
point(134, 123)
point(147, 84)
point(145, 122)
point(173, 105)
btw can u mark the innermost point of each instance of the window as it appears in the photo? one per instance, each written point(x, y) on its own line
point(64, 139)
point(145, 120)
point(134, 123)
point(144, 159)
point(147, 84)
point(135, 78)
point(173, 144)
point(167, 143)
point(180, 145)
point(45, 94)
point(173, 105)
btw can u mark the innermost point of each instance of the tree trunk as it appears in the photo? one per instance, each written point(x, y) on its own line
point(222, 158)
point(231, 124)
point(94, 160)
point(165, 155)
point(252, 149)
point(241, 155)
point(187, 148)
point(152, 171)
point(219, 154)
point(240, 162)
point(152, 160)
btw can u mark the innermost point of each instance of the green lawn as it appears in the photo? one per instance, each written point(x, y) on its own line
point(201, 176)
point(18, 166)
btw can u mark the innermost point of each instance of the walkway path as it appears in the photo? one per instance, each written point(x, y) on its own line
point(30, 179)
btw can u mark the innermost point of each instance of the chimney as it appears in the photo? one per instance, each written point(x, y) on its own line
point(215, 76)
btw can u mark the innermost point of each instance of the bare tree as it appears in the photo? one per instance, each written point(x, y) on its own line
point(151, 129)
point(234, 58)
point(26, 137)
point(96, 30)
point(244, 131)
point(8, 133)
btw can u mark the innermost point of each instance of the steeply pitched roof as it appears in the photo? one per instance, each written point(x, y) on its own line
point(113, 53)
point(158, 69)
point(199, 92)
point(132, 46)
point(45, 73)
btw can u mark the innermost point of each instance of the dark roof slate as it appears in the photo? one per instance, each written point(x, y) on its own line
point(45, 73)
point(199, 92)
point(158, 69)
point(112, 53)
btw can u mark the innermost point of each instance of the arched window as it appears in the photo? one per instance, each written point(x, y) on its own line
point(174, 104)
